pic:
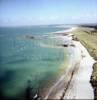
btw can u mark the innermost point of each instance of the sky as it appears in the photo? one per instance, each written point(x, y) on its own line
point(41, 12)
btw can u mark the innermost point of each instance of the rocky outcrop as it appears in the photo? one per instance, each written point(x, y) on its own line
point(94, 80)
point(74, 38)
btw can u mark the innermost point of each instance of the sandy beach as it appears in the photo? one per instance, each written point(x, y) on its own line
point(75, 83)
point(80, 87)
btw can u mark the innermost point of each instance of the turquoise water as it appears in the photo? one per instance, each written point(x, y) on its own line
point(23, 60)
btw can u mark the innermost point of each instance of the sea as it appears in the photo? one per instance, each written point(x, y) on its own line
point(30, 57)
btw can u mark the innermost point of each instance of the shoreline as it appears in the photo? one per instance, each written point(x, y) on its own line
point(88, 37)
point(81, 78)
point(54, 95)
point(65, 31)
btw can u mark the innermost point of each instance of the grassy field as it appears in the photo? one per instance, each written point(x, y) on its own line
point(88, 37)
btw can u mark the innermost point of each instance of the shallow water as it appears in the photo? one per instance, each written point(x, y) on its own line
point(23, 60)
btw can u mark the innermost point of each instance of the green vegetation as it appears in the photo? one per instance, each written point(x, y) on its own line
point(88, 37)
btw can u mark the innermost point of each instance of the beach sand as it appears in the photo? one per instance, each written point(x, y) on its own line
point(75, 83)
point(80, 87)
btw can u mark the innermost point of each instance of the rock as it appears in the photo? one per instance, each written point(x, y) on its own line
point(72, 45)
point(74, 38)
point(30, 37)
point(93, 80)
point(65, 45)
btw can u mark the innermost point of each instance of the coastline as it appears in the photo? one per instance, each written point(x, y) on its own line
point(88, 37)
point(81, 77)
point(65, 31)
point(73, 72)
